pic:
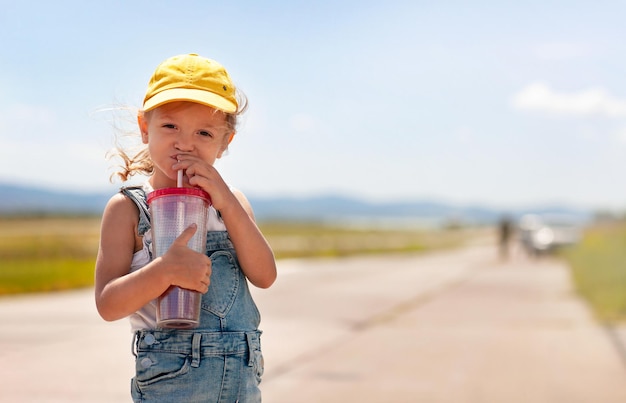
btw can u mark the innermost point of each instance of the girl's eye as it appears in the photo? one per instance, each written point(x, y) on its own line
point(205, 133)
point(169, 126)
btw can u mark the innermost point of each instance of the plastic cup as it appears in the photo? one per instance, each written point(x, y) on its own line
point(172, 210)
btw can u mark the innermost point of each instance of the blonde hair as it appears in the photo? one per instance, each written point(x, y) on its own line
point(136, 160)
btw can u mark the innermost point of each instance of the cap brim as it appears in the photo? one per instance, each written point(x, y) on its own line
point(191, 95)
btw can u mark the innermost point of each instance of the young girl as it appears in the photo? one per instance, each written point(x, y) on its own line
point(188, 120)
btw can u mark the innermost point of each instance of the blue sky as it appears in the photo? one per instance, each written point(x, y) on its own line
point(467, 102)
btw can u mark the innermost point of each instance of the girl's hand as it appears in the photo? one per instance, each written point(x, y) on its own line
point(205, 176)
point(187, 268)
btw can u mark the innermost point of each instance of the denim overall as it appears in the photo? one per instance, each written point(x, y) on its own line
point(221, 360)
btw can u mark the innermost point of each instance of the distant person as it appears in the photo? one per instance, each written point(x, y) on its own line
point(188, 120)
point(504, 236)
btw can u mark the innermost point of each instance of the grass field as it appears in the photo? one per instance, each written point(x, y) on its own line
point(599, 270)
point(57, 253)
point(46, 254)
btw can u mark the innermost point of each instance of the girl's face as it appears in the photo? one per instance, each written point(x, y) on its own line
point(183, 128)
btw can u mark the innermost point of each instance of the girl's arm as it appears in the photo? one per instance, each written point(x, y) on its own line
point(118, 292)
point(255, 255)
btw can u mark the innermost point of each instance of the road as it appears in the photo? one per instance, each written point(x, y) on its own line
point(455, 327)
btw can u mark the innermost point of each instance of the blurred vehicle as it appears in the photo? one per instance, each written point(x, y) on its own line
point(540, 234)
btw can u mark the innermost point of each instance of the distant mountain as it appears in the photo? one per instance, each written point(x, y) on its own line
point(16, 199)
point(334, 208)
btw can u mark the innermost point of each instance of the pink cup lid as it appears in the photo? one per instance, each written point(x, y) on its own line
point(196, 192)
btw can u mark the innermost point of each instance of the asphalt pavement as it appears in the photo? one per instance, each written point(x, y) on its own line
point(460, 326)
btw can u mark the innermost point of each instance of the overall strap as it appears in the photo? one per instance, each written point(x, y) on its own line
point(138, 196)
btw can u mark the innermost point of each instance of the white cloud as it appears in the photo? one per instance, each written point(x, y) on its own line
point(589, 102)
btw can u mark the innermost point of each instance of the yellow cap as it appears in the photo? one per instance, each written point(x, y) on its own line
point(191, 78)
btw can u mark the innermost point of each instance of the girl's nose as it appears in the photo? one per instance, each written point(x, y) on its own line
point(184, 142)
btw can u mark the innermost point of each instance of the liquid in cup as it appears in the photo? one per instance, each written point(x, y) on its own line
point(172, 210)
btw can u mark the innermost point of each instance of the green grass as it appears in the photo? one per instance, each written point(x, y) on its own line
point(599, 270)
point(47, 253)
point(57, 253)
point(291, 240)
point(37, 275)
